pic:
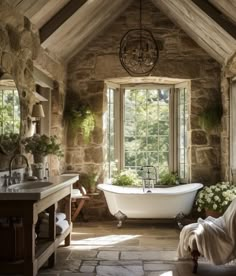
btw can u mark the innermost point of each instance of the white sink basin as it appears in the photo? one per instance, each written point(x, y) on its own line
point(30, 185)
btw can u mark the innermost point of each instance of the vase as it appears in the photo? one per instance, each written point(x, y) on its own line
point(214, 214)
point(39, 158)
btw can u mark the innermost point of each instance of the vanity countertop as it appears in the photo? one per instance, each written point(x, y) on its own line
point(58, 182)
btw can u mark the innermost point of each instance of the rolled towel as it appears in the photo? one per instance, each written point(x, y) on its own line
point(44, 217)
point(61, 226)
point(43, 235)
point(60, 216)
point(43, 227)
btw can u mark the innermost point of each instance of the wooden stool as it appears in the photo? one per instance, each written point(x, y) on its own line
point(79, 197)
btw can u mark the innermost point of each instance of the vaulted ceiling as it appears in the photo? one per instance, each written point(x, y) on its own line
point(67, 26)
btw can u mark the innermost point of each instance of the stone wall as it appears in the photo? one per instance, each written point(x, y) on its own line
point(20, 51)
point(180, 57)
point(19, 46)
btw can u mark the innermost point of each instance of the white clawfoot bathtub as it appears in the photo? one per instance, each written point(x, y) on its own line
point(133, 202)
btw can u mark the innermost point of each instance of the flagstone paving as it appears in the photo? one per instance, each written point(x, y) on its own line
point(140, 248)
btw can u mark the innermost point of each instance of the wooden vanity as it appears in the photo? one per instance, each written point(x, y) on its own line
point(27, 204)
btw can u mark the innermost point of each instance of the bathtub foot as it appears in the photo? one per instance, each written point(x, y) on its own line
point(119, 224)
point(120, 217)
point(179, 219)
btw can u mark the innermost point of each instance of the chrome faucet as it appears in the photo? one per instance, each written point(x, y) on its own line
point(147, 176)
point(10, 165)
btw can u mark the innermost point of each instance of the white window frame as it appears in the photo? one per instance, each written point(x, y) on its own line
point(173, 136)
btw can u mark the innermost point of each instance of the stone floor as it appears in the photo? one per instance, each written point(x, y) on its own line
point(139, 248)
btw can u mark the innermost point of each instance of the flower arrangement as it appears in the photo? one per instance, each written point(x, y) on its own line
point(42, 145)
point(216, 197)
point(126, 178)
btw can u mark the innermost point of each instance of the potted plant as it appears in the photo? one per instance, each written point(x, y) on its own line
point(126, 178)
point(169, 179)
point(89, 181)
point(41, 146)
point(215, 199)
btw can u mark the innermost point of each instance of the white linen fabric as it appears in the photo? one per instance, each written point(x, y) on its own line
point(215, 239)
point(61, 226)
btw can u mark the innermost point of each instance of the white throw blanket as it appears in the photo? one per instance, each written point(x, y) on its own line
point(215, 239)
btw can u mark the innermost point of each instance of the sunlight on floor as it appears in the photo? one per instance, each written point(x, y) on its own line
point(168, 273)
point(103, 241)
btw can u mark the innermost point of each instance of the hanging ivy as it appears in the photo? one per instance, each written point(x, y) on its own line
point(80, 117)
point(210, 118)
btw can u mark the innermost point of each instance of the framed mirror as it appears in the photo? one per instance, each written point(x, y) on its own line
point(10, 115)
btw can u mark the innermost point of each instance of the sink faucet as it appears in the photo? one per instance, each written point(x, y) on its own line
point(11, 162)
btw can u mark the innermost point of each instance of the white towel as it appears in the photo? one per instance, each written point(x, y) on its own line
point(61, 226)
point(45, 217)
point(60, 216)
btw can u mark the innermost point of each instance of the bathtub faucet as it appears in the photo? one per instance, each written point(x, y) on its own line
point(149, 176)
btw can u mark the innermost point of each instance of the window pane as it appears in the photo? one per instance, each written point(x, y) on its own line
point(110, 121)
point(182, 141)
point(147, 127)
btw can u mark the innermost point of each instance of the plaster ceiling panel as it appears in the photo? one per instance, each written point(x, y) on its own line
point(84, 25)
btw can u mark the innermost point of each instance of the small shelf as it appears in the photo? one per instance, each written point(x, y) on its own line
point(45, 248)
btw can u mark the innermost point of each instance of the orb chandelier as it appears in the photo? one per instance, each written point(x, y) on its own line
point(138, 50)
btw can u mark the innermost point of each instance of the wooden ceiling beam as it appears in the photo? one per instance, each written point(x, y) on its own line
point(57, 20)
point(85, 24)
point(200, 27)
point(215, 14)
point(227, 7)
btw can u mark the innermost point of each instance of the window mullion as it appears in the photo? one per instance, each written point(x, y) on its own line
point(120, 128)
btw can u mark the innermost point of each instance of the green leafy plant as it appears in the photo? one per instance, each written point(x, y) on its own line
point(126, 178)
point(89, 181)
point(211, 117)
point(81, 117)
point(216, 197)
point(171, 178)
point(42, 145)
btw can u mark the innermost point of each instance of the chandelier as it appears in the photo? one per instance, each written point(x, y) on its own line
point(138, 50)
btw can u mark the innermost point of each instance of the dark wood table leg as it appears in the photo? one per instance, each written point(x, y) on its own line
point(195, 254)
point(52, 232)
point(68, 217)
point(30, 268)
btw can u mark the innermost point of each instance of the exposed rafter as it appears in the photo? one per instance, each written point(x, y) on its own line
point(57, 20)
point(83, 26)
point(215, 14)
point(39, 12)
point(201, 28)
point(227, 7)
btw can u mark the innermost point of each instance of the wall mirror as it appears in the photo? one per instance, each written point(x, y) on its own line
point(10, 114)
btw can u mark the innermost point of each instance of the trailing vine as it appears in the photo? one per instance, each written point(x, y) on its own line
point(80, 116)
point(211, 117)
